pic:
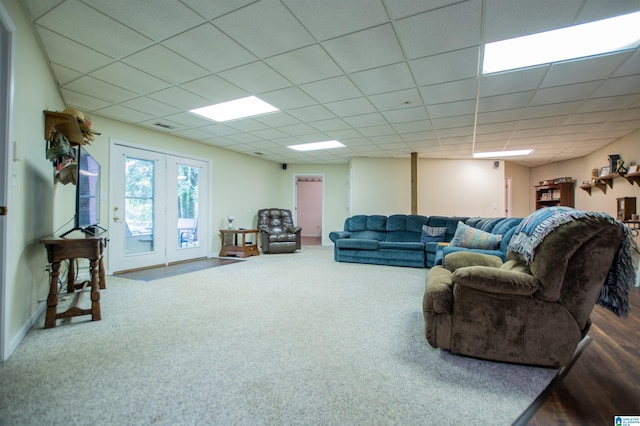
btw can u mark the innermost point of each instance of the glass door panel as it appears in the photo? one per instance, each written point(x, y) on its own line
point(139, 205)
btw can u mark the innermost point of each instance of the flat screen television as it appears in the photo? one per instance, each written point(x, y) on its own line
point(87, 214)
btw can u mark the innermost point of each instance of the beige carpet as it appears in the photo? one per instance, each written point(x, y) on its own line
point(279, 339)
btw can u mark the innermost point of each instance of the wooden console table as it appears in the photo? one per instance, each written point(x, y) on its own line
point(59, 249)
point(236, 248)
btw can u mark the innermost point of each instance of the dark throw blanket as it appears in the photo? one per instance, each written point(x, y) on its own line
point(535, 227)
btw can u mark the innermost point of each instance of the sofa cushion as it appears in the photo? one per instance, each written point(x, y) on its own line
point(469, 237)
point(415, 223)
point(358, 244)
point(397, 222)
point(432, 234)
point(400, 245)
point(377, 223)
point(357, 223)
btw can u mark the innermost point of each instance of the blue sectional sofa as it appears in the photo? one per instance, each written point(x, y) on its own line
point(405, 240)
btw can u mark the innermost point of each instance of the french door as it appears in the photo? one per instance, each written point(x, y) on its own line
point(158, 208)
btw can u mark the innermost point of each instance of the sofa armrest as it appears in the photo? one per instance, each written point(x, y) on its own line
point(496, 280)
point(336, 235)
point(438, 295)
point(460, 259)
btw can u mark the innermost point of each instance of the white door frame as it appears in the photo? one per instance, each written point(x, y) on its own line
point(205, 200)
point(7, 56)
point(295, 198)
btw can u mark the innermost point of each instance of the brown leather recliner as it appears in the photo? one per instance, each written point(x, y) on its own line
point(529, 313)
point(278, 234)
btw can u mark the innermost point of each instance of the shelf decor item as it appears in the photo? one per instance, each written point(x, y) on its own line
point(605, 171)
point(230, 219)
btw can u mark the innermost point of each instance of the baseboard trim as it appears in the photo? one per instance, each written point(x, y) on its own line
point(17, 339)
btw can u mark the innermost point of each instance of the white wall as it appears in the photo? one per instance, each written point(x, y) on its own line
point(580, 169)
point(380, 186)
point(460, 188)
point(521, 202)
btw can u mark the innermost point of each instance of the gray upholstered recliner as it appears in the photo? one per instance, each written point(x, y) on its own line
point(534, 312)
point(277, 231)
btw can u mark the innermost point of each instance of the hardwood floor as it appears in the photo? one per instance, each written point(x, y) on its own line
point(605, 380)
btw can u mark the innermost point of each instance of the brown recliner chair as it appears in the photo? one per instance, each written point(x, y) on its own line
point(277, 231)
point(529, 313)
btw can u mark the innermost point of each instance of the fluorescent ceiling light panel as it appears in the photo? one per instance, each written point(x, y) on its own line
point(495, 154)
point(578, 41)
point(316, 146)
point(232, 110)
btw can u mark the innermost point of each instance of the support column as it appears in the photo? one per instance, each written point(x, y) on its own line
point(414, 183)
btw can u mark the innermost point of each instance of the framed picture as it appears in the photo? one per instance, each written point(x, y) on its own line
point(545, 196)
point(634, 168)
point(604, 171)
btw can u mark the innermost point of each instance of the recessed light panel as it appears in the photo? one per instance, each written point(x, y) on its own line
point(578, 41)
point(233, 110)
point(316, 146)
point(495, 154)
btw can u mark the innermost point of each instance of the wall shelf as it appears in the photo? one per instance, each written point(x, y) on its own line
point(607, 180)
point(633, 178)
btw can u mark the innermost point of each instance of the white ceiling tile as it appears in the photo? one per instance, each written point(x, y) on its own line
point(82, 101)
point(311, 113)
point(500, 116)
point(595, 10)
point(550, 110)
point(298, 129)
point(426, 135)
point(452, 122)
point(214, 89)
point(179, 98)
point(157, 20)
point(120, 112)
point(36, 8)
point(277, 119)
point(330, 125)
point(513, 18)
point(219, 129)
point(593, 117)
point(503, 102)
point(608, 103)
point(78, 22)
point(396, 100)
point(244, 138)
point(512, 81)
point(100, 89)
point(196, 134)
point(344, 134)
point(71, 54)
point(384, 79)
point(331, 18)
point(213, 9)
point(449, 92)
point(130, 78)
point(162, 125)
point(266, 28)
point(405, 115)
point(150, 106)
point(402, 8)
point(210, 48)
point(269, 134)
point(413, 126)
point(451, 109)
point(618, 86)
point(549, 122)
point(449, 28)
point(383, 130)
point(579, 70)
point(255, 78)
point(372, 119)
point(569, 92)
point(457, 65)
point(630, 67)
point(155, 60)
point(304, 65)
point(366, 49)
point(288, 98)
point(187, 119)
point(332, 89)
point(454, 132)
point(247, 125)
point(64, 74)
point(350, 107)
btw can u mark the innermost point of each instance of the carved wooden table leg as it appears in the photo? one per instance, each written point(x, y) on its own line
point(95, 292)
point(52, 299)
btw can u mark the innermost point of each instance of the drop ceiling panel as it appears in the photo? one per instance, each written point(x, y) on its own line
point(304, 65)
point(457, 65)
point(447, 29)
point(164, 19)
point(78, 22)
point(366, 49)
point(210, 48)
point(392, 71)
point(267, 28)
point(155, 60)
point(331, 18)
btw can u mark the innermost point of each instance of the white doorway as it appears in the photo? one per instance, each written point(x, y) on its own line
point(7, 44)
point(309, 207)
point(158, 208)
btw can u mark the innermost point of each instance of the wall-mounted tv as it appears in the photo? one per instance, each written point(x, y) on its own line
point(87, 214)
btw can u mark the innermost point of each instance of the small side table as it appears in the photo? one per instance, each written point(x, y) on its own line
point(59, 249)
point(239, 248)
